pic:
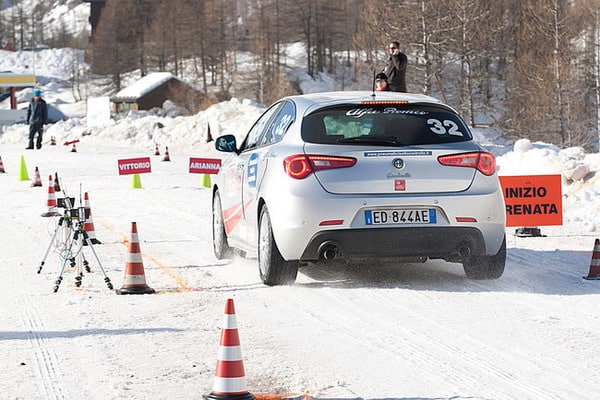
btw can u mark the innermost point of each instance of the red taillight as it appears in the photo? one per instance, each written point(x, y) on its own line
point(331, 222)
point(484, 162)
point(299, 166)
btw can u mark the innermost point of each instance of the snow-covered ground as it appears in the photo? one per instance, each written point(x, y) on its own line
point(412, 331)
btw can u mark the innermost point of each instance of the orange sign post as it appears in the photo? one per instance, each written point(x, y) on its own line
point(534, 200)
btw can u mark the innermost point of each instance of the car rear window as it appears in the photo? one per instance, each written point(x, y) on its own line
point(395, 125)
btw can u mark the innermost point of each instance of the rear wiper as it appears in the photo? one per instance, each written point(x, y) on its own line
point(373, 140)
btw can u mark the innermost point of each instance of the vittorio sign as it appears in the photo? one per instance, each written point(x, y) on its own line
point(134, 166)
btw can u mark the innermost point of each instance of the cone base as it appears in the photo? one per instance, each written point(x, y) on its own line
point(528, 232)
point(51, 214)
point(592, 277)
point(94, 241)
point(221, 396)
point(135, 290)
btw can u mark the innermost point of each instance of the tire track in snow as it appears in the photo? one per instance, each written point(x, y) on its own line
point(453, 363)
point(47, 364)
point(379, 341)
point(477, 358)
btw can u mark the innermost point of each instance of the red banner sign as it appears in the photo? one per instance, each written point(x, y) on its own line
point(534, 200)
point(134, 166)
point(204, 165)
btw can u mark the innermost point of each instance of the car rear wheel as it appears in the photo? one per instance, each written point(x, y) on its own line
point(274, 270)
point(220, 246)
point(486, 267)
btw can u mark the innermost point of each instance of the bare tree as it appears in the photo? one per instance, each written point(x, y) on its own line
point(115, 43)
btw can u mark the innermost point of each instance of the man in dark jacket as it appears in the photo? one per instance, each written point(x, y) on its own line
point(37, 116)
point(395, 68)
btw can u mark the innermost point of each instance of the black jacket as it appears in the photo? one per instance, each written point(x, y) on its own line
point(395, 69)
point(37, 112)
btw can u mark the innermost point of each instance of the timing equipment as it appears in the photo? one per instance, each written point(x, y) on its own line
point(71, 227)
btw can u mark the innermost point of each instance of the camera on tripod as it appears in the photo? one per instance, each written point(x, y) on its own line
point(80, 213)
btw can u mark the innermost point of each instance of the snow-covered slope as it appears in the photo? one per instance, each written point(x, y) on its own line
point(412, 331)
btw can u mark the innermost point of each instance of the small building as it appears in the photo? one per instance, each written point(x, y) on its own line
point(153, 90)
point(11, 81)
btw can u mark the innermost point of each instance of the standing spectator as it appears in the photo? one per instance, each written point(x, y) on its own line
point(37, 116)
point(381, 83)
point(395, 68)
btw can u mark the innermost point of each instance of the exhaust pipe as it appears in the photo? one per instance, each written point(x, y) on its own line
point(328, 250)
point(464, 251)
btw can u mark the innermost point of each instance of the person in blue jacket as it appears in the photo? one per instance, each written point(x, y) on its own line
point(37, 116)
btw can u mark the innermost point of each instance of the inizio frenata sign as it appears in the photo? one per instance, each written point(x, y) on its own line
point(534, 200)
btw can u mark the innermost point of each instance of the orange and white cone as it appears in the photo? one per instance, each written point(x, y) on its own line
point(51, 203)
point(135, 279)
point(156, 151)
point(230, 377)
point(2, 171)
point(594, 273)
point(52, 141)
point(74, 148)
point(37, 179)
point(88, 227)
point(166, 157)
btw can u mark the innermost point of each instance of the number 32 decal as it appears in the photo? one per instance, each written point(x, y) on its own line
point(443, 127)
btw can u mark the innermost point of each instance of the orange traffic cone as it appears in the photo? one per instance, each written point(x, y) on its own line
point(594, 273)
point(74, 148)
point(156, 151)
point(51, 203)
point(52, 141)
point(135, 279)
point(166, 157)
point(37, 179)
point(1, 166)
point(88, 227)
point(230, 377)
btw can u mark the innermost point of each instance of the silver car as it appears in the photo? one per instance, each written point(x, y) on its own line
point(355, 177)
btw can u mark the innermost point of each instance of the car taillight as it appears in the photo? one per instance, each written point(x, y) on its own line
point(482, 161)
point(299, 166)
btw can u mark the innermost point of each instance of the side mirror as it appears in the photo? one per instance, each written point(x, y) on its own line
point(226, 143)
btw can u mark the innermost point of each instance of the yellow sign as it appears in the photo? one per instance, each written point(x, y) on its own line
point(17, 80)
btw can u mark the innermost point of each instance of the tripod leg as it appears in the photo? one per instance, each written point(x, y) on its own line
point(91, 247)
point(86, 264)
point(60, 222)
point(87, 240)
point(79, 271)
point(62, 269)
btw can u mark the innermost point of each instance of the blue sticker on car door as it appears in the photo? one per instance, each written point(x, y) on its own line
point(252, 170)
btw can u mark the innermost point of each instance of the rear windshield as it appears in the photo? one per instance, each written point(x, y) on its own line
point(386, 125)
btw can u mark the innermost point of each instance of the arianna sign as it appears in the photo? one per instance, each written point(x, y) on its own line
point(204, 165)
point(533, 200)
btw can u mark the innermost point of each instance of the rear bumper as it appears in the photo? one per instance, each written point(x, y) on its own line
point(433, 242)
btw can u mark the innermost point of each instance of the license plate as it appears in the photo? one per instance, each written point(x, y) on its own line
point(394, 217)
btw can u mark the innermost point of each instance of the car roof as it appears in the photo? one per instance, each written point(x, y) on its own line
point(312, 101)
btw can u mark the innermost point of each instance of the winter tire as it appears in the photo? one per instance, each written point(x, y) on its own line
point(273, 269)
point(486, 267)
point(220, 246)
